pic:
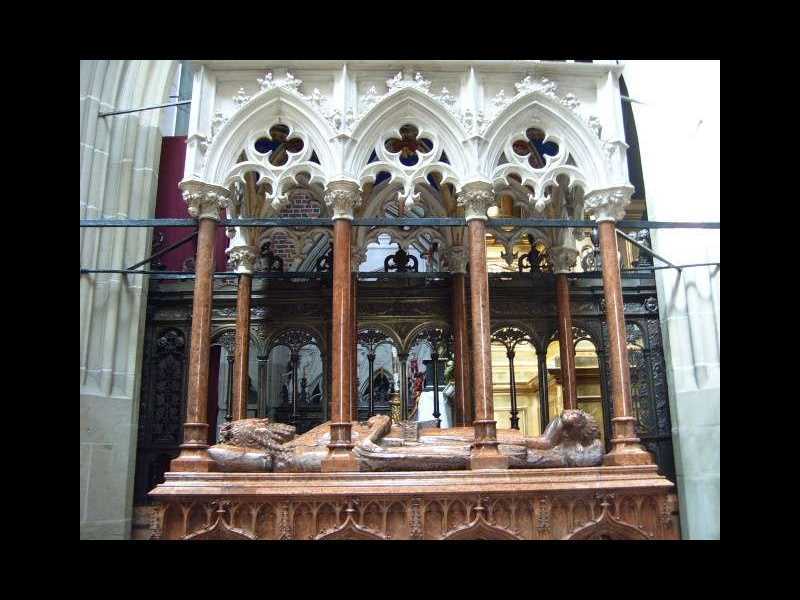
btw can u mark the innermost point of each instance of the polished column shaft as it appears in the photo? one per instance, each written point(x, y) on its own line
point(339, 457)
point(194, 454)
point(485, 454)
point(463, 395)
point(354, 352)
point(242, 362)
point(566, 347)
point(626, 446)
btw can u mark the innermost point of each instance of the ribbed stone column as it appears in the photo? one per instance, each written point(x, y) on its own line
point(476, 197)
point(204, 201)
point(342, 197)
point(608, 206)
point(242, 259)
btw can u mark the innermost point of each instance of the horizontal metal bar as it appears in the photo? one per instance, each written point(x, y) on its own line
point(132, 110)
point(627, 273)
point(646, 249)
point(405, 222)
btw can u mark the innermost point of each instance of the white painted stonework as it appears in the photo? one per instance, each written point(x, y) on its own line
point(677, 121)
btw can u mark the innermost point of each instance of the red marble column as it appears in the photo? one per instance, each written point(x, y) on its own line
point(485, 454)
point(354, 344)
point(461, 351)
point(342, 197)
point(194, 450)
point(626, 446)
point(242, 353)
point(566, 347)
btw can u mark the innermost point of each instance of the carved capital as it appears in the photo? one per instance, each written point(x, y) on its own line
point(343, 197)
point(456, 258)
point(608, 204)
point(204, 200)
point(243, 258)
point(476, 197)
point(562, 258)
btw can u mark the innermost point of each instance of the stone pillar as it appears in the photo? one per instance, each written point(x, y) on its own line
point(204, 202)
point(608, 206)
point(342, 197)
point(457, 262)
point(563, 258)
point(476, 197)
point(243, 259)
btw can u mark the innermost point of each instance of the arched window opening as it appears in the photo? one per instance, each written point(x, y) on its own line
point(516, 381)
point(587, 377)
point(295, 386)
point(221, 381)
point(431, 388)
point(378, 375)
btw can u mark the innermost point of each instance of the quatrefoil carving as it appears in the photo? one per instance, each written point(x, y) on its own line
point(535, 147)
point(408, 145)
point(279, 145)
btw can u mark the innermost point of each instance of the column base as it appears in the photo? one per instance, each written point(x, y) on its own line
point(485, 454)
point(628, 455)
point(340, 458)
point(194, 456)
point(626, 447)
point(339, 461)
point(483, 459)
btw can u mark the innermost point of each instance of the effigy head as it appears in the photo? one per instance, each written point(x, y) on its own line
point(579, 426)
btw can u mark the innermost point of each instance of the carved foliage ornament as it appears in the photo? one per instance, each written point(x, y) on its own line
point(562, 258)
point(342, 198)
point(204, 200)
point(243, 258)
point(476, 198)
point(608, 204)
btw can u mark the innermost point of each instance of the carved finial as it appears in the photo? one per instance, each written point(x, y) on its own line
point(241, 97)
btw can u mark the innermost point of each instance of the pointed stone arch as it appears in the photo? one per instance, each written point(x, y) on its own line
point(274, 105)
point(546, 111)
point(408, 105)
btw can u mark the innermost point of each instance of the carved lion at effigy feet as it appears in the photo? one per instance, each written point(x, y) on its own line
point(255, 445)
